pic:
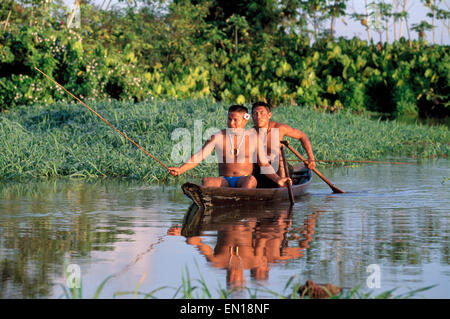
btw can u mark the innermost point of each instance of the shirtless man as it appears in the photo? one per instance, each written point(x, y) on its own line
point(261, 114)
point(236, 150)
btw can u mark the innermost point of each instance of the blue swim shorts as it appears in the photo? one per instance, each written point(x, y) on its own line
point(232, 180)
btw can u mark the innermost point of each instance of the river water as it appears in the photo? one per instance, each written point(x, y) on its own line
point(392, 217)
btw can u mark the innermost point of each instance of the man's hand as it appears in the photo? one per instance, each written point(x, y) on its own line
point(311, 164)
point(175, 171)
point(282, 182)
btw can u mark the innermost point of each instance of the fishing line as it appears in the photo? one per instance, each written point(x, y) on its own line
point(141, 255)
point(351, 161)
point(89, 108)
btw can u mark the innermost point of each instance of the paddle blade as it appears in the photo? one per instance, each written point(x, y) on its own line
point(334, 188)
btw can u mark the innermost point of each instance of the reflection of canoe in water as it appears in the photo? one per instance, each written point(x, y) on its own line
point(228, 196)
point(199, 219)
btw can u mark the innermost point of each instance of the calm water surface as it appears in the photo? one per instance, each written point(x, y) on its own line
point(395, 216)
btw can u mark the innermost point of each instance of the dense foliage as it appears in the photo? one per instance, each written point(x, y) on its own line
point(139, 53)
point(66, 139)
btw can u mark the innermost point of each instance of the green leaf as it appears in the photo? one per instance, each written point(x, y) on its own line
point(100, 288)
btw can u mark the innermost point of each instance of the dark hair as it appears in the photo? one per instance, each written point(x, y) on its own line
point(260, 103)
point(237, 108)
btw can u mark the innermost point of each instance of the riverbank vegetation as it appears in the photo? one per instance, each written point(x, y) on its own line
point(190, 288)
point(284, 52)
point(65, 139)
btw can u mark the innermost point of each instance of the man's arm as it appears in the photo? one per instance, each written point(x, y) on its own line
point(266, 168)
point(195, 159)
point(299, 135)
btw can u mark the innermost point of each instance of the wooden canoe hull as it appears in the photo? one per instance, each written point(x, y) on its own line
point(228, 196)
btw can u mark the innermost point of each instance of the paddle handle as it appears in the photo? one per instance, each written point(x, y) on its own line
point(286, 173)
point(333, 187)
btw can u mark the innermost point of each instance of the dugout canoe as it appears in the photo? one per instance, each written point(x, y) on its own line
point(207, 197)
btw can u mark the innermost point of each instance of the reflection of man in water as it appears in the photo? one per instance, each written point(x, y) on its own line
point(252, 244)
point(233, 251)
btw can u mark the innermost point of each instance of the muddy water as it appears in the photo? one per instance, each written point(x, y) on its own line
point(395, 217)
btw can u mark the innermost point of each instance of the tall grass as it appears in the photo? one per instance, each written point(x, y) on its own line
point(68, 140)
point(199, 289)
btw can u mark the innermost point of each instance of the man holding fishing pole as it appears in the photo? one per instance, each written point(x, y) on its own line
point(236, 149)
point(271, 133)
point(232, 178)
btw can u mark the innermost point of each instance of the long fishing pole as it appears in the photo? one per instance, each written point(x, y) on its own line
point(89, 108)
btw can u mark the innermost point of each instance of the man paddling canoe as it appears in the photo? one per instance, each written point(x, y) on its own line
point(272, 133)
point(236, 150)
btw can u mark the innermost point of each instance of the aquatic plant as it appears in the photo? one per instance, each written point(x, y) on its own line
point(65, 139)
point(198, 289)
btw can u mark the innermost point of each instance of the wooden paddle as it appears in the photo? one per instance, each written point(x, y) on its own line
point(334, 188)
point(286, 173)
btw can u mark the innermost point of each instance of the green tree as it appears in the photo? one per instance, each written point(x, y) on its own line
point(262, 16)
point(380, 16)
point(336, 9)
point(436, 12)
point(314, 13)
point(421, 27)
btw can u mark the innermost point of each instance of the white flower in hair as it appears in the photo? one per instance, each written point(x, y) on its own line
point(246, 116)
